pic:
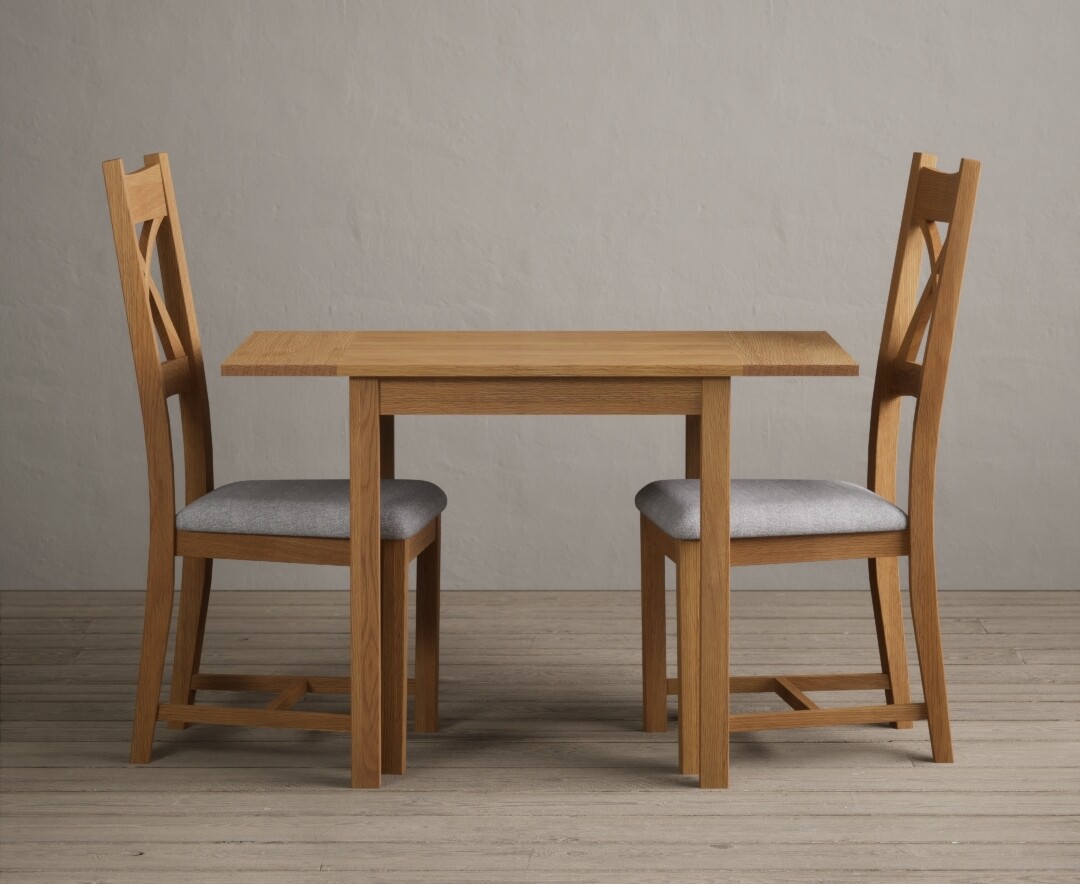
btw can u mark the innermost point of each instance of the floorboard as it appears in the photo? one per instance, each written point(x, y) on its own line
point(540, 772)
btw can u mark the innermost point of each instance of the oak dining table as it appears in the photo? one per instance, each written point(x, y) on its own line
point(537, 373)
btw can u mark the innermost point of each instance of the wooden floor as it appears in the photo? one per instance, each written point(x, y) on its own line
point(541, 772)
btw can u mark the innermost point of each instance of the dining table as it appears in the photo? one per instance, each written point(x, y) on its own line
point(392, 373)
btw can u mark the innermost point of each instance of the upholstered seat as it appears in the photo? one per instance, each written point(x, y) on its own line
point(772, 508)
point(309, 508)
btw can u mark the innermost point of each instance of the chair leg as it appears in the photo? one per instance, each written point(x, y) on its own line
point(155, 641)
point(688, 601)
point(889, 618)
point(395, 654)
point(924, 614)
point(426, 701)
point(190, 625)
point(653, 633)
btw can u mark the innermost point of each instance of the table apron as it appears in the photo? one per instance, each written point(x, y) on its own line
point(540, 395)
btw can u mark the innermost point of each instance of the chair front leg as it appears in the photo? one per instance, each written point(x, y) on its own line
point(395, 653)
point(426, 701)
point(653, 632)
point(889, 619)
point(190, 626)
point(688, 601)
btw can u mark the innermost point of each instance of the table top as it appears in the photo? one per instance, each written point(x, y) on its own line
point(525, 354)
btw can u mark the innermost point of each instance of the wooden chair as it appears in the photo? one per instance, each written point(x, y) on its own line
point(270, 521)
point(778, 521)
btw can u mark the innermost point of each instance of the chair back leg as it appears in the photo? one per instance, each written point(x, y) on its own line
point(155, 641)
point(653, 632)
point(426, 700)
point(889, 618)
point(190, 626)
point(924, 615)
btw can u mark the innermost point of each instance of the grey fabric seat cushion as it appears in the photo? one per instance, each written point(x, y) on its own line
point(309, 508)
point(772, 508)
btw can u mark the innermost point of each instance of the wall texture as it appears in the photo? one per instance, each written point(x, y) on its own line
point(538, 165)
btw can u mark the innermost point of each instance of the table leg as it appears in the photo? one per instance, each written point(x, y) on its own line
point(364, 584)
point(688, 570)
point(715, 581)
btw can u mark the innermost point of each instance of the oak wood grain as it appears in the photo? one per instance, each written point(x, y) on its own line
point(792, 694)
point(715, 583)
point(653, 631)
point(540, 396)
point(365, 623)
point(428, 615)
point(880, 714)
point(394, 620)
point(523, 354)
point(264, 548)
point(286, 353)
point(688, 615)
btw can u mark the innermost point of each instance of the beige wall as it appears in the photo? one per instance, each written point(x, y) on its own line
point(538, 165)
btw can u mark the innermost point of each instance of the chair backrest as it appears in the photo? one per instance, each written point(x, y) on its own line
point(142, 205)
point(925, 325)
